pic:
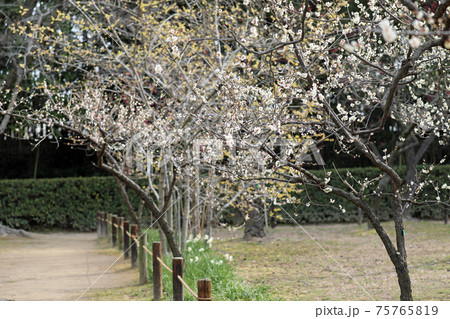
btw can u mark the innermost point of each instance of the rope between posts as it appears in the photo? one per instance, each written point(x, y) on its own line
point(170, 270)
point(146, 249)
point(158, 258)
point(164, 265)
point(187, 287)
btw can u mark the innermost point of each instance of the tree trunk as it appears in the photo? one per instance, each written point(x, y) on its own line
point(197, 208)
point(412, 158)
point(143, 268)
point(210, 206)
point(360, 216)
point(170, 209)
point(177, 215)
point(401, 265)
point(161, 193)
point(36, 162)
point(254, 226)
point(396, 255)
point(185, 213)
point(404, 281)
point(381, 188)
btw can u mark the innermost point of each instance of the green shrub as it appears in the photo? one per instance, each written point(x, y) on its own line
point(61, 203)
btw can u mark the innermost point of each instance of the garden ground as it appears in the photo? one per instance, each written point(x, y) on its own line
point(296, 268)
point(57, 267)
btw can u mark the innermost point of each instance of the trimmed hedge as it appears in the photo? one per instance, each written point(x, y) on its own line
point(61, 203)
point(322, 211)
point(72, 203)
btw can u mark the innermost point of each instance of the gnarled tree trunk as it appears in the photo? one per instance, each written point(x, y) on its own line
point(254, 225)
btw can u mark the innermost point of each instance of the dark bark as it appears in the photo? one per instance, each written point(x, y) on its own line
point(157, 214)
point(412, 158)
point(396, 255)
point(381, 188)
point(254, 226)
point(126, 199)
point(404, 281)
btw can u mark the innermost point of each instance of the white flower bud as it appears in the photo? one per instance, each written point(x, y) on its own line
point(388, 31)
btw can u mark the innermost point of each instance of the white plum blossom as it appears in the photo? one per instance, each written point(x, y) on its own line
point(356, 19)
point(256, 130)
point(388, 32)
point(175, 51)
point(348, 47)
point(328, 189)
point(414, 42)
point(253, 32)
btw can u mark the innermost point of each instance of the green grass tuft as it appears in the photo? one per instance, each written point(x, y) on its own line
point(201, 262)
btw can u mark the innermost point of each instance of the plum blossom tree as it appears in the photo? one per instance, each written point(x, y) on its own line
point(145, 76)
point(17, 49)
point(263, 77)
point(352, 70)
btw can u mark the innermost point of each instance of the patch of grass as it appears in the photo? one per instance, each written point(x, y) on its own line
point(297, 269)
point(134, 293)
point(200, 262)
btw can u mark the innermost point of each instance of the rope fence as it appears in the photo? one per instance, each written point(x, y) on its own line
point(118, 231)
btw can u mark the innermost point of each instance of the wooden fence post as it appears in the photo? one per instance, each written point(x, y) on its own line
point(177, 269)
point(204, 289)
point(114, 230)
point(157, 271)
point(126, 239)
point(359, 218)
point(143, 258)
point(134, 231)
point(120, 233)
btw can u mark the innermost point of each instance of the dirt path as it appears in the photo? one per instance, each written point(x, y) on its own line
point(59, 266)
